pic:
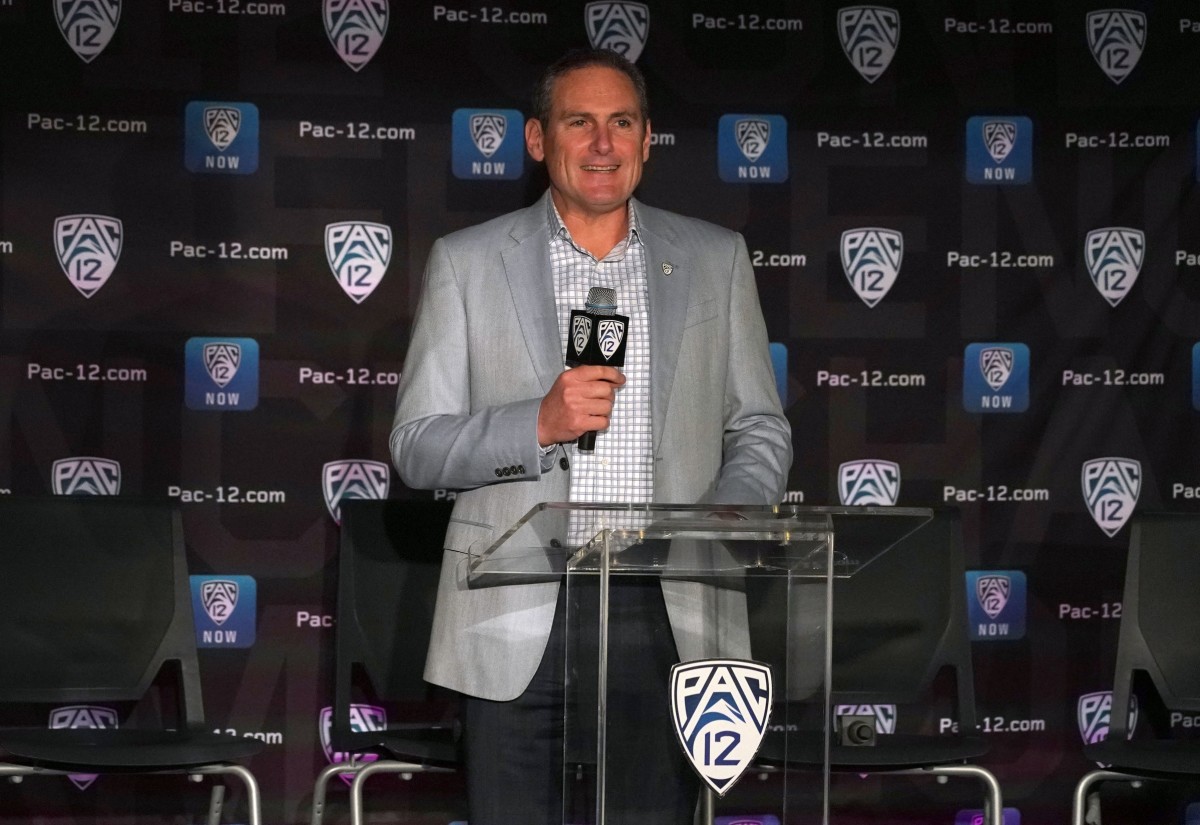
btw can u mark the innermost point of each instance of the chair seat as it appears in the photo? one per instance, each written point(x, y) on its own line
point(122, 749)
point(893, 752)
point(435, 747)
point(1170, 758)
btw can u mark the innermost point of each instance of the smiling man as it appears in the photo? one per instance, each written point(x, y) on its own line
point(486, 406)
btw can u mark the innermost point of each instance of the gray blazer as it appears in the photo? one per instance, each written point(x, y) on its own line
point(486, 349)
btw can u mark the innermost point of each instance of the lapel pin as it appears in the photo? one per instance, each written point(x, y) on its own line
point(668, 267)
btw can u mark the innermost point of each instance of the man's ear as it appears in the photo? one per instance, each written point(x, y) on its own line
point(533, 139)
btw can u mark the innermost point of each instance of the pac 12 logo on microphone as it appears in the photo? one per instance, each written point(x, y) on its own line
point(752, 149)
point(221, 138)
point(1000, 150)
point(224, 609)
point(221, 374)
point(487, 144)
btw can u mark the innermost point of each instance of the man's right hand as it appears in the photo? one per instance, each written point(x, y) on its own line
point(580, 401)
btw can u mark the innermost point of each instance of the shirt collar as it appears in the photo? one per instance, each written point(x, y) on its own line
point(558, 229)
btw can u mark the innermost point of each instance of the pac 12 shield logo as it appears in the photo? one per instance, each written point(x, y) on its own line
point(83, 717)
point(720, 709)
point(88, 248)
point(618, 26)
point(363, 719)
point(353, 478)
point(487, 144)
point(884, 715)
point(1110, 489)
point(1117, 38)
point(752, 148)
point(356, 28)
point(1094, 714)
point(869, 481)
point(996, 604)
point(996, 378)
point(871, 258)
point(999, 150)
point(220, 138)
point(85, 476)
point(87, 25)
point(358, 253)
point(221, 374)
point(1114, 257)
point(224, 609)
point(870, 36)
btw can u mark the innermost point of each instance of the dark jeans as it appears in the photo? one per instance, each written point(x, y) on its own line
point(515, 750)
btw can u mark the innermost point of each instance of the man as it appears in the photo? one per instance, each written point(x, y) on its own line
point(486, 406)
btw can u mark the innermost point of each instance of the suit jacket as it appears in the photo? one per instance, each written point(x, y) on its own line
point(486, 349)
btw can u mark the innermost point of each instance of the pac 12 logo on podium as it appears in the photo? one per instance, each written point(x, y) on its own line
point(221, 374)
point(720, 708)
point(487, 144)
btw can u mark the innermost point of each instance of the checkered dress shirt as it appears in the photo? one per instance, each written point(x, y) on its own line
point(622, 466)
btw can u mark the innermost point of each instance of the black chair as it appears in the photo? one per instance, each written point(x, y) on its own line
point(389, 558)
point(899, 625)
point(1158, 661)
point(95, 606)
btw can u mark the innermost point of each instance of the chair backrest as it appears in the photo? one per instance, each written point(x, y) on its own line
point(900, 622)
point(94, 601)
point(390, 556)
point(1160, 622)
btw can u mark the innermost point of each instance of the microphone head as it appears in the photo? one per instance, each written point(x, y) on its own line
point(602, 300)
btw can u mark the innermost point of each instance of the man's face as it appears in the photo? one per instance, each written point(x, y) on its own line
point(595, 142)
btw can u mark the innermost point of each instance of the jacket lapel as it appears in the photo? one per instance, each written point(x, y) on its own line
point(527, 267)
point(668, 309)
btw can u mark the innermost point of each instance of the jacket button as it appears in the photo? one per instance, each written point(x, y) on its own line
point(498, 473)
point(521, 469)
point(562, 462)
point(555, 543)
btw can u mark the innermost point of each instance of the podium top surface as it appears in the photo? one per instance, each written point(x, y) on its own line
point(695, 540)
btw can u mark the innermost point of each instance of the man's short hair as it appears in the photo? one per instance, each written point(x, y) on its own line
point(543, 92)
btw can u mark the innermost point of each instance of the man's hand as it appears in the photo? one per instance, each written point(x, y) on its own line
point(580, 401)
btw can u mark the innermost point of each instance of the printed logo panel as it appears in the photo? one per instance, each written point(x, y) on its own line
point(619, 26)
point(353, 478)
point(487, 144)
point(358, 253)
point(220, 138)
point(1117, 38)
point(87, 25)
point(999, 150)
point(363, 719)
point(885, 715)
point(355, 28)
point(1111, 487)
point(752, 148)
point(221, 374)
point(85, 476)
point(225, 610)
point(1094, 715)
point(88, 248)
point(871, 259)
point(996, 604)
point(83, 717)
point(870, 36)
point(996, 378)
point(869, 481)
point(1114, 258)
point(720, 708)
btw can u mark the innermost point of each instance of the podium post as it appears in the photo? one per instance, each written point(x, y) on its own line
point(744, 676)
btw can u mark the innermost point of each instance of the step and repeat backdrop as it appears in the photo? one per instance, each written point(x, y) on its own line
point(973, 225)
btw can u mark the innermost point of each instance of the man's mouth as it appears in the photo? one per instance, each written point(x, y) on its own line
point(591, 168)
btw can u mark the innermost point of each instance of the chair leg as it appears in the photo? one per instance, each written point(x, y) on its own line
point(993, 805)
point(253, 798)
point(216, 803)
point(369, 769)
point(321, 788)
point(1085, 807)
point(708, 806)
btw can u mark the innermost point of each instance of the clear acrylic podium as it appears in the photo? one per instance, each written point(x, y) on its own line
point(717, 567)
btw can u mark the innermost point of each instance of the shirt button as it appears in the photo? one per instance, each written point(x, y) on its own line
point(604, 462)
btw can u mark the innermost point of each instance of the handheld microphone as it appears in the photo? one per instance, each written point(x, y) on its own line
point(596, 337)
